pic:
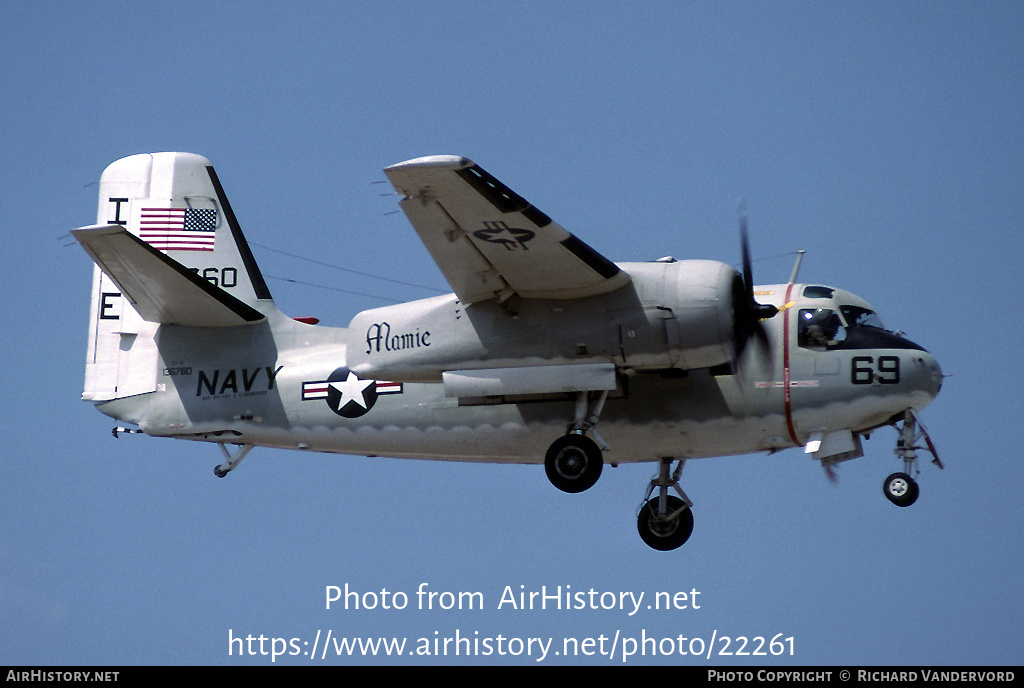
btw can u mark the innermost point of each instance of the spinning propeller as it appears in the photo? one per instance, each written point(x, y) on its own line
point(747, 312)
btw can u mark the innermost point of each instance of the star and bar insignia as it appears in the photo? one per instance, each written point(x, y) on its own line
point(498, 232)
point(346, 394)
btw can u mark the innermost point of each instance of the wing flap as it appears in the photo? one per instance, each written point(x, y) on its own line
point(158, 287)
point(490, 242)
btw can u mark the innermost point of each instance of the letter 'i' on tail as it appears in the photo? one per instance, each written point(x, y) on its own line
point(168, 251)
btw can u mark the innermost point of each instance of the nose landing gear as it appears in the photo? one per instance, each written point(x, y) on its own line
point(900, 488)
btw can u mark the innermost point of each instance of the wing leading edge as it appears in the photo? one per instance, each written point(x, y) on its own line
point(489, 242)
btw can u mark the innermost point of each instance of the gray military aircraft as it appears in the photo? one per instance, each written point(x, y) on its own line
point(543, 342)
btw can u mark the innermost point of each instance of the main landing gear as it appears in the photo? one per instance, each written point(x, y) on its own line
point(573, 462)
point(900, 488)
point(665, 521)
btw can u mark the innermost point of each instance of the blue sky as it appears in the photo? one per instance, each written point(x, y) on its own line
point(883, 138)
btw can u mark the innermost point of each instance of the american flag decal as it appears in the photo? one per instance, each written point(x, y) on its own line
point(179, 229)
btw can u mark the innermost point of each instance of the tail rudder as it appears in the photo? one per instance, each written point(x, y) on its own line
point(191, 258)
point(176, 204)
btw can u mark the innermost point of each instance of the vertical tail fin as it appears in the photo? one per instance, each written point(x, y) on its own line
point(174, 204)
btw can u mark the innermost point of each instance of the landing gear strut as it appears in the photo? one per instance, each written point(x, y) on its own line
point(231, 461)
point(573, 462)
point(665, 521)
point(900, 488)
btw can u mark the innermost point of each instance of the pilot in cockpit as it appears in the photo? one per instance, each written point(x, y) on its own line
point(820, 328)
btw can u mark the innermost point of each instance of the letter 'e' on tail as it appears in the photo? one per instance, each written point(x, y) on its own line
point(168, 251)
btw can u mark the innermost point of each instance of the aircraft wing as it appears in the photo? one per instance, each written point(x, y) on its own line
point(161, 289)
point(489, 242)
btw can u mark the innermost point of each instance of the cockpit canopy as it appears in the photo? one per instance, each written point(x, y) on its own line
point(843, 321)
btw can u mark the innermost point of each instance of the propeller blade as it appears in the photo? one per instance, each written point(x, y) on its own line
point(759, 311)
point(748, 313)
point(748, 272)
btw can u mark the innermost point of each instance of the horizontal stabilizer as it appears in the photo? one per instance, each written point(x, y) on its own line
point(161, 289)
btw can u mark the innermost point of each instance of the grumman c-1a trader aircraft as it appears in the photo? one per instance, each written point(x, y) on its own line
point(546, 352)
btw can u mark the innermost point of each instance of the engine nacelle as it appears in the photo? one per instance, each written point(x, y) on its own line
point(680, 315)
point(671, 315)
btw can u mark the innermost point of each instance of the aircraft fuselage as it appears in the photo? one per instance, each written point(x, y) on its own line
point(544, 352)
point(287, 384)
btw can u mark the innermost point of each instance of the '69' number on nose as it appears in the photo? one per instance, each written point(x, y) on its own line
point(865, 370)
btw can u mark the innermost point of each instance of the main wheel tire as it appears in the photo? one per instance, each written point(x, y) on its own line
point(665, 534)
point(901, 489)
point(573, 463)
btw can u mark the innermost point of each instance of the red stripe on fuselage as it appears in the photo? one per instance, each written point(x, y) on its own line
point(785, 370)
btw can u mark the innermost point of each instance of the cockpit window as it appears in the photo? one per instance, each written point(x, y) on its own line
point(861, 317)
point(820, 328)
point(816, 292)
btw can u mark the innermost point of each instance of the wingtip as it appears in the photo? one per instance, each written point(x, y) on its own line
point(454, 162)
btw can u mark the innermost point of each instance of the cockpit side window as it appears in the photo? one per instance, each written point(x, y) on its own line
point(863, 330)
point(820, 328)
point(857, 316)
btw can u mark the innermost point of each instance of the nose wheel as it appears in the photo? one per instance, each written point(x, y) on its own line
point(900, 488)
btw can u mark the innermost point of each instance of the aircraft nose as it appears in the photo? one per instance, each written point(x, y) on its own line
point(928, 374)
